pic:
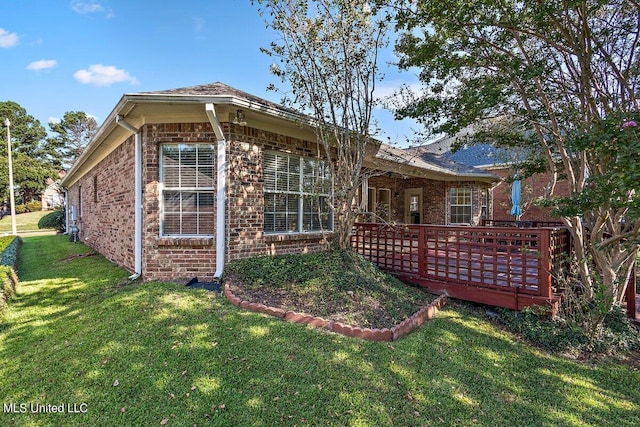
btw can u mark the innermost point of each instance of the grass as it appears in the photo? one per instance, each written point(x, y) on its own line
point(339, 286)
point(140, 354)
point(25, 223)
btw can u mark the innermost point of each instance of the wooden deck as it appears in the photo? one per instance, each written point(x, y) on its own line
point(502, 266)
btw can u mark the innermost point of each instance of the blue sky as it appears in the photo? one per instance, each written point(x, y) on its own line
point(72, 55)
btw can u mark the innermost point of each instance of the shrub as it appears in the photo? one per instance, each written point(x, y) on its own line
point(5, 241)
point(559, 335)
point(54, 219)
point(20, 209)
point(9, 246)
point(34, 206)
point(8, 279)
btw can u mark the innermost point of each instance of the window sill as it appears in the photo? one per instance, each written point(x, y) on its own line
point(293, 237)
point(186, 241)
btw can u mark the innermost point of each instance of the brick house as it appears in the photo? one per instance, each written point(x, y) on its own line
point(500, 162)
point(176, 183)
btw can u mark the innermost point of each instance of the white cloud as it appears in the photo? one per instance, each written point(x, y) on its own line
point(398, 94)
point(103, 75)
point(85, 8)
point(54, 120)
point(8, 39)
point(199, 24)
point(43, 64)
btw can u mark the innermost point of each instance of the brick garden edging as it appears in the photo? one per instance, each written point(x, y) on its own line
point(425, 313)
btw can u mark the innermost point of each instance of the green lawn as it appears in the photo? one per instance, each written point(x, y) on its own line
point(153, 354)
point(25, 222)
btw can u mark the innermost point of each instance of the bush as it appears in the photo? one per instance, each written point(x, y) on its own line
point(20, 209)
point(8, 279)
point(558, 335)
point(9, 246)
point(5, 241)
point(54, 219)
point(34, 206)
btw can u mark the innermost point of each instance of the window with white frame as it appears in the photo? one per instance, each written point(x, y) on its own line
point(187, 196)
point(460, 205)
point(297, 192)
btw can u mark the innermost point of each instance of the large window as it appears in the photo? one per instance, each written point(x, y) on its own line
point(297, 191)
point(460, 206)
point(186, 177)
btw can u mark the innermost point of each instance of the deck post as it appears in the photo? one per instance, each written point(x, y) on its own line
point(422, 252)
point(544, 267)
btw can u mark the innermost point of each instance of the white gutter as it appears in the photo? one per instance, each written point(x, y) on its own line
point(137, 196)
point(66, 211)
point(221, 190)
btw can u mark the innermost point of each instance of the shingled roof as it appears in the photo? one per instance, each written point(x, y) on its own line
point(431, 162)
point(480, 155)
point(221, 89)
point(418, 163)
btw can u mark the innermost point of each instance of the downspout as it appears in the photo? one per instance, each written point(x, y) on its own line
point(137, 196)
point(220, 190)
point(66, 210)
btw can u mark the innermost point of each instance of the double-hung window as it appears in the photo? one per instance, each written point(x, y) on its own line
point(460, 206)
point(187, 197)
point(297, 194)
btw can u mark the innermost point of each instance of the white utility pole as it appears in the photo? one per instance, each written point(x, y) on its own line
point(14, 230)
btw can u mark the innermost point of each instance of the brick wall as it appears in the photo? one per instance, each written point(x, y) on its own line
point(168, 258)
point(107, 217)
point(104, 202)
point(532, 188)
point(245, 208)
point(185, 258)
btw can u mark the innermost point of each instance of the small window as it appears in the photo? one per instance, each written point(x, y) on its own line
point(460, 206)
point(297, 192)
point(187, 196)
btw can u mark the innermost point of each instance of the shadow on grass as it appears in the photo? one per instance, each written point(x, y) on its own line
point(142, 353)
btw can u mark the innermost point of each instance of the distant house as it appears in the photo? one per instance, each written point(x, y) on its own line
point(177, 183)
point(53, 195)
point(501, 162)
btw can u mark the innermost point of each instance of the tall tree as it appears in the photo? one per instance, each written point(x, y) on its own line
point(328, 59)
point(74, 132)
point(31, 159)
point(561, 77)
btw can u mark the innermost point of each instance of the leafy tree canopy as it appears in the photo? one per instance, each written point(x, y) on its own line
point(327, 58)
point(72, 134)
point(32, 160)
point(559, 77)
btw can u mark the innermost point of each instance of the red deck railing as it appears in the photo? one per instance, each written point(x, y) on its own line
point(503, 266)
point(520, 223)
